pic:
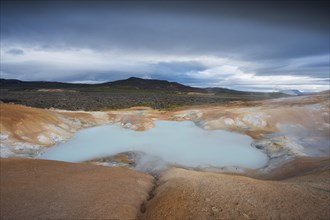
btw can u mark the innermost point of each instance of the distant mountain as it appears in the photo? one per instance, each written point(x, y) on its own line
point(293, 92)
point(326, 92)
point(152, 84)
point(217, 90)
point(14, 84)
point(132, 83)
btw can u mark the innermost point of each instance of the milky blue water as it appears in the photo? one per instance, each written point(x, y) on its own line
point(181, 143)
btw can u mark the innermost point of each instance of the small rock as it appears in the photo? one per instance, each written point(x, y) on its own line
point(215, 209)
point(204, 210)
point(246, 216)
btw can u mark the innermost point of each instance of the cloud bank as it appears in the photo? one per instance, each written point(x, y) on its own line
point(238, 45)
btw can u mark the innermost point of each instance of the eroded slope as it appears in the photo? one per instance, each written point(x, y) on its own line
point(40, 189)
point(184, 194)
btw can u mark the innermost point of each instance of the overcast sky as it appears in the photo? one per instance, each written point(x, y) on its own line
point(243, 45)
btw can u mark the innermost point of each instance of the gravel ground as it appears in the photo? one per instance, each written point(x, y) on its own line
point(184, 194)
point(95, 101)
point(40, 189)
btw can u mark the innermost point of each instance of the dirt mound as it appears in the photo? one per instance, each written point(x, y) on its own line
point(40, 189)
point(25, 123)
point(184, 194)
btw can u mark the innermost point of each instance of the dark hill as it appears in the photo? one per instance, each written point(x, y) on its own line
point(14, 84)
point(152, 84)
point(130, 84)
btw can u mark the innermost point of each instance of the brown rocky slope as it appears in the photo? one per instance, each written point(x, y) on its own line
point(184, 194)
point(38, 189)
point(294, 185)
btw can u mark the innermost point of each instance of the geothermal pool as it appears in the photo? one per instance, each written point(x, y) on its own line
point(180, 143)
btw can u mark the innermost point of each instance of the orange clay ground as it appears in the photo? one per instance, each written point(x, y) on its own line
point(39, 189)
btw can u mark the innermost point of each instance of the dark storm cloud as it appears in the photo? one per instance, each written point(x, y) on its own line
point(254, 29)
point(15, 51)
point(272, 36)
point(174, 71)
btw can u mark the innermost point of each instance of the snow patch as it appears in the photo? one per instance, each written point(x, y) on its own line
point(279, 147)
point(99, 114)
point(229, 122)
point(257, 120)
point(56, 138)
point(187, 115)
point(240, 124)
point(43, 139)
point(5, 151)
point(4, 137)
